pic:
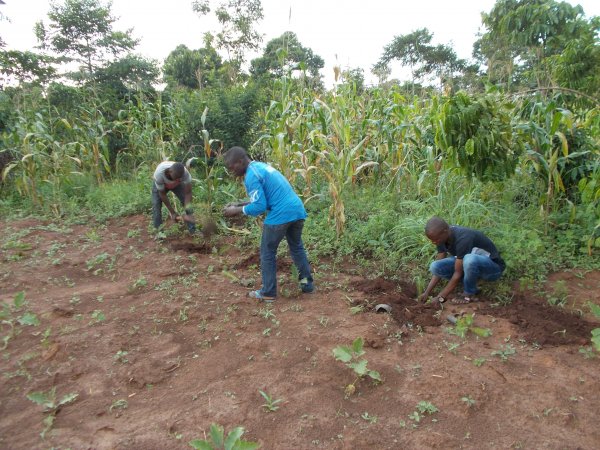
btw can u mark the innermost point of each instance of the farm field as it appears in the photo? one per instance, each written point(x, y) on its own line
point(158, 339)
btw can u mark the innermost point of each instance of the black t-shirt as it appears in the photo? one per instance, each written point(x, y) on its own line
point(462, 240)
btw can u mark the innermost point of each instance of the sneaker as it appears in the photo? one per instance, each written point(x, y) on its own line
point(306, 286)
point(260, 297)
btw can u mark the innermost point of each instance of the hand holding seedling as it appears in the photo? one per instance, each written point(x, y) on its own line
point(188, 218)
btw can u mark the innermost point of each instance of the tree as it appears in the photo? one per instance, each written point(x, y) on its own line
point(25, 67)
point(238, 19)
point(409, 49)
point(521, 34)
point(414, 50)
point(82, 31)
point(285, 53)
point(129, 72)
point(193, 69)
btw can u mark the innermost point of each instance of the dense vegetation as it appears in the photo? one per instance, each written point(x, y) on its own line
point(508, 142)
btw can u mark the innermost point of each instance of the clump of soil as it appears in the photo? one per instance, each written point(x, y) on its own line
point(539, 322)
point(405, 309)
point(190, 246)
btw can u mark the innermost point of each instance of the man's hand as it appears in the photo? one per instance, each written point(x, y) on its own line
point(423, 297)
point(189, 218)
point(232, 210)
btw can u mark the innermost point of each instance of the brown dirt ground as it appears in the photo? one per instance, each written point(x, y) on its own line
point(198, 351)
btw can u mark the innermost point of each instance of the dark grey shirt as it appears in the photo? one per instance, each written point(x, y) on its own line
point(462, 240)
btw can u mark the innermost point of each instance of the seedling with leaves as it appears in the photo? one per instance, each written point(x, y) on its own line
point(270, 405)
point(10, 316)
point(218, 441)
point(504, 352)
point(51, 405)
point(465, 324)
point(422, 409)
point(595, 309)
point(351, 357)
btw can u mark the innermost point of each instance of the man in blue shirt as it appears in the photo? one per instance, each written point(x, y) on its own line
point(473, 256)
point(269, 191)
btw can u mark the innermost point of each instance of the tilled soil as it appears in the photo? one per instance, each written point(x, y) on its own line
point(158, 339)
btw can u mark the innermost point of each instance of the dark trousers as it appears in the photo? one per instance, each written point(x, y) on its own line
point(272, 235)
point(157, 206)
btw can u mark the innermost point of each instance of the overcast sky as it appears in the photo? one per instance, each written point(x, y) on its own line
point(348, 33)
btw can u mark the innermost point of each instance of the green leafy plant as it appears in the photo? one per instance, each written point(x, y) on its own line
point(218, 441)
point(271, 404)
point(51, 405)
point(10, 316)
point(504, 352)
point(351, 357)
point(423, 408)
point(465, 324)
point(595, 309)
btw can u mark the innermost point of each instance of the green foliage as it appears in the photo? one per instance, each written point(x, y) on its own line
point(218, 440)
point(284, 55)
point(271, 404)
point(82, 31)
point(12, 315)
point(351, 357)
point(504, 352)
point(465, 324)
point(475, 134)
point(51, 405)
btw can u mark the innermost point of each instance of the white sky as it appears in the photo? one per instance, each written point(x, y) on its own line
point(349, 33)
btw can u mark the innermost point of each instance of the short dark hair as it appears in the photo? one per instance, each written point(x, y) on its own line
point(177, 170)
point(234, 154)
point(435, 225)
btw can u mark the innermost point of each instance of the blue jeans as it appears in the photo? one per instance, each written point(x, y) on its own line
point(157, 206)
point(474, 267)
point(272, 235)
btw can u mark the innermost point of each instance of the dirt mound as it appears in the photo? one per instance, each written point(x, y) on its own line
point(190, 247)
point(401, 298)
point(541, 323)
point(375, 286)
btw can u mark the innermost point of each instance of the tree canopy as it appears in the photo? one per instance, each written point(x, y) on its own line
point(82, 31)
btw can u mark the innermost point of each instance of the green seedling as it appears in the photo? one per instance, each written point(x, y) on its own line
point(351, 357)
point(51, 405)
point(595, 310)
point(366, 416)
point(10, 316)
point(423, 408)
point(469, 401)
point(504, 352)
point(465, 324)
point(98, 316)
point(121, 356)
point(218, 441)
point(271, 404)
point(118, 405)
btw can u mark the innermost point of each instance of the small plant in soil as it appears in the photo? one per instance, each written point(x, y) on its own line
point(10, 316)
point(51, 405)
point(271, 404)
point(595, 309)
point(504, 352)
point(468, 400)
point(351, 357)
point(423, 408)
point(218, 441)
point(465, 324)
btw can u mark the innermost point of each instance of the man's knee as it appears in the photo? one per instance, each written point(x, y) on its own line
point(435, 268)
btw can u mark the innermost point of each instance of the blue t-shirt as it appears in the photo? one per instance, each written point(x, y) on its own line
point(270, 191)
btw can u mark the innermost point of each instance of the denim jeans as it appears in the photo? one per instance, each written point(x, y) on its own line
point(474, 267)
point(157, 206)
point(272, 235)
